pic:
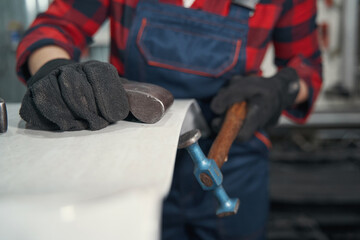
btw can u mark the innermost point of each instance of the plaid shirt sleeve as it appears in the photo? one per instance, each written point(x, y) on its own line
point(296, 46)
point(69, 24)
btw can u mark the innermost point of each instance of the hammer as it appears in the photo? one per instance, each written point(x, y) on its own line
point(3, 116)
point(148, 102)
point(207, 169)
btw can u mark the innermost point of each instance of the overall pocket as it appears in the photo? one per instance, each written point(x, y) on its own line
point(187, 51)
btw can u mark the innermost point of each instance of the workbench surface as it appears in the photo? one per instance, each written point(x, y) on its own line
point(106, 184)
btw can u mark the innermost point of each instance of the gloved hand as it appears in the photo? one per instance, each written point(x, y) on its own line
point(265, 97)
point(64, 95)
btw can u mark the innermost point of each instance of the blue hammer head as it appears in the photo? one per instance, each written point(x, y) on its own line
point(208, 173)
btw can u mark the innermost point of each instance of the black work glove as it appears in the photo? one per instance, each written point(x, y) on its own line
point(64, 95)
point(265, 97)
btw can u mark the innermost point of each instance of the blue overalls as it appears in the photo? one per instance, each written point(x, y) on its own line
point(193, 53)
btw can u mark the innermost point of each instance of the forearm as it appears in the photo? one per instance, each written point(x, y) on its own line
point(303, 94)
point(42, 55)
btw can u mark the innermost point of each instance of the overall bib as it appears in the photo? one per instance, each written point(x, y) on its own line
point(193, 53)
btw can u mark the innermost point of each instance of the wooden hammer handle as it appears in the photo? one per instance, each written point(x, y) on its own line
point(233, 121)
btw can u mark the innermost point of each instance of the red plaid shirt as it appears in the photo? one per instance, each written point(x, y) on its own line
point(288, 24)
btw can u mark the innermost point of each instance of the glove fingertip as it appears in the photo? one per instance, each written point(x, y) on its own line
point(218, 106)
point(109, 92)
point(216, 124)
point(30, 114)
point(244, 135)
point(251, 123)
